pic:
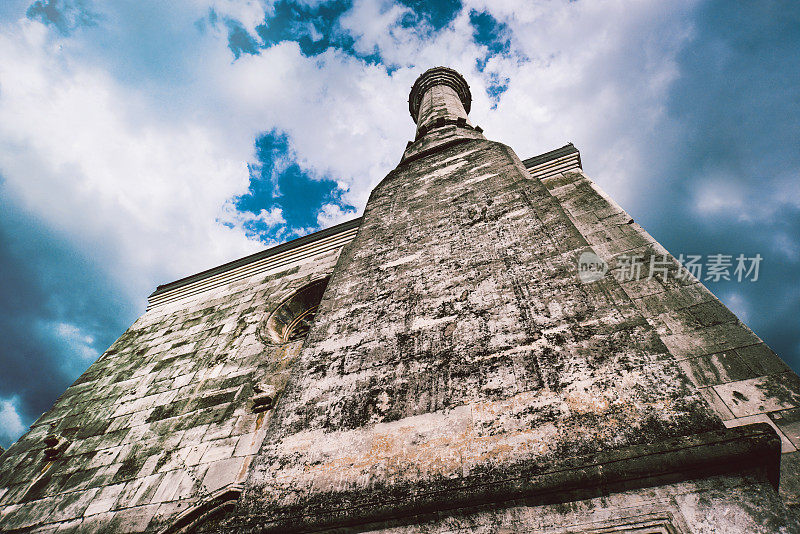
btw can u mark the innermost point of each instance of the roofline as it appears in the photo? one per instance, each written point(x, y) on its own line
point(553, 154)
point(272, 251)
point(333, 230)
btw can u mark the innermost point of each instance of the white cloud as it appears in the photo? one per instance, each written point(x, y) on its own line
point(10, 423)
point(249, 13)
point(731, 195)
point(80, 342)
point(720, 196)
point(345, 120)
point(737, 304)
point(272, 219)
point(331, 215)
point(787, 246)
point(95, 161)
point(141, 182)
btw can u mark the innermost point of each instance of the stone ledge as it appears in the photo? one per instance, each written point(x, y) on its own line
point(735, 450)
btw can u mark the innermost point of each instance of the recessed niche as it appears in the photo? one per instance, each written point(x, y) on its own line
point(292, 319)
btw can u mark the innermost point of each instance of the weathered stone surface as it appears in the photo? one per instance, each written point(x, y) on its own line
point(456, 346)
point(740, 377)
point(459, 376)
point(164, 418)
point(709, 506)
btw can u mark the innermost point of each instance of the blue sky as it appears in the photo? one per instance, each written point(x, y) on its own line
point(142, 141)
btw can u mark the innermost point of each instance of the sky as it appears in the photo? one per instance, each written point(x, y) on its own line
point(143, 141)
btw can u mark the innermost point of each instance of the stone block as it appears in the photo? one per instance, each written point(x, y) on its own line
point(138, 491)
point(761, 395)
point(72, 505)
point(789, 423)
point(219, 450)
point(710, 313)
point(104, 500)
point(786, 444)
point(714, 400)
point(132, 520)
point(169, 485)
point(716, 369)
point(790, 483)
point(193, 454)
point(74, 526)
point(761, 359)
point(221, 473)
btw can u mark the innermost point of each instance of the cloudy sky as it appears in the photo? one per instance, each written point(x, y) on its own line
point(142, 141)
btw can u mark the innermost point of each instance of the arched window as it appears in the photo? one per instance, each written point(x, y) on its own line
point(205, 515)
point(292, 319)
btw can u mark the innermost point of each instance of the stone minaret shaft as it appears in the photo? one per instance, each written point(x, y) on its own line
point(441, 96)
point(439, 102)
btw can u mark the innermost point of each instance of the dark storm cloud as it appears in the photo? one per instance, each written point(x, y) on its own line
point(47, 290)
point(730, 184)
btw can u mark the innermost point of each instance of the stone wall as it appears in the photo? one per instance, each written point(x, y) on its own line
point(457, 347)
point(731, 505)
point(455, 350)
point(163, 421)
point(740, 377)
point(460, 376)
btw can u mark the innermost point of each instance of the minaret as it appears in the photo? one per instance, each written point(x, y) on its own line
point(439, 102)
point(440, 365)
point(441, 96)
point(457, 361)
